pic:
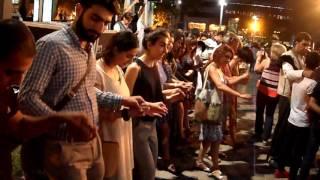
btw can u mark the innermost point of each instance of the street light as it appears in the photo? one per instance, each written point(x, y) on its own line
point(179, 2)
point(255, 25)
point(222, 3)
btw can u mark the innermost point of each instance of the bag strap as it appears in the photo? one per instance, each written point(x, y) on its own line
point(72, 93)
point(206, 76)
point(205, 80)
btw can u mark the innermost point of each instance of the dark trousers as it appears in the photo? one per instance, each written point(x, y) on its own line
point(279, 131)
point(295, 143)
point(269, 104)
point(312, 148)
point(6, 148)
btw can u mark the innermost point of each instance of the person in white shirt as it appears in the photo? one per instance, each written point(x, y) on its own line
point(290, 72)
point(123, 25)
point(297, 130)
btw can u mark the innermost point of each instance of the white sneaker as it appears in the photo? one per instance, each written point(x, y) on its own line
point(217, 174)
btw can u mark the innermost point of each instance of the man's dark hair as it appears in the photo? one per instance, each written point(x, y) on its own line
point(111, 5)
point(303, 36)
point(312, 60)
point(16, 38)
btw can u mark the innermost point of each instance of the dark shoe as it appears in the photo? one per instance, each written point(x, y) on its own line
point(273, 163)
point(256, 138)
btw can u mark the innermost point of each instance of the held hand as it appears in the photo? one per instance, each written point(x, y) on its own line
point(307, 73)
point(79, 125)
point(133, 102)
point(246, 96)
point(185, 87)
point(176, 95)
point(136, 112)
point(156, 109)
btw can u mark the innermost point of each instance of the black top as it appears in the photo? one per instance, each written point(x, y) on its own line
point(148, 85)
point(315, 117)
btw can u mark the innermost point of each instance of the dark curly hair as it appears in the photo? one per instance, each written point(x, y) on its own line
point(16, 38)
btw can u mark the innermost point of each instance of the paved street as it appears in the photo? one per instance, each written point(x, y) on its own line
point(247, 161)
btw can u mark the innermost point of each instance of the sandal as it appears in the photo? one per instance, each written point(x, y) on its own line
point(171, 168)
point(201, 166)
point(216, 174)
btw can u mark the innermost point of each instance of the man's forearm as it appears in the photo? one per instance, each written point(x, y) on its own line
point(108, 99)
point(291, 74)
point(32, 105)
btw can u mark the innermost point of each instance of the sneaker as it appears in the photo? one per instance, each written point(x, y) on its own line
point(281, 174)
point(216, 174)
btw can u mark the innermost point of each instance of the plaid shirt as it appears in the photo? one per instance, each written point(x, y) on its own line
point(59, 65)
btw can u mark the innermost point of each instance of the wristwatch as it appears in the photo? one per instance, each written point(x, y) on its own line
point(125, 114)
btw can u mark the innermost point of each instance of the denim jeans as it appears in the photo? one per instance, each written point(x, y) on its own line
point(74, 161)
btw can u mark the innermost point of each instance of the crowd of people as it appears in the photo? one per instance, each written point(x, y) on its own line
point(78, 117)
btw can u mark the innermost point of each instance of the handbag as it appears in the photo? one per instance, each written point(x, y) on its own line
point(208, 104)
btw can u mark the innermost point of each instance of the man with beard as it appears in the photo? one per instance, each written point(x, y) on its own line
point(61, 78)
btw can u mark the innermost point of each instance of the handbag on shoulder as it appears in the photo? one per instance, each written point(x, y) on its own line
point(208, 104)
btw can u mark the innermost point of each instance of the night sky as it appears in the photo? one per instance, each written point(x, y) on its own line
point(306, 15)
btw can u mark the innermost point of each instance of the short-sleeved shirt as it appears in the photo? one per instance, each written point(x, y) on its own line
point(298, 113)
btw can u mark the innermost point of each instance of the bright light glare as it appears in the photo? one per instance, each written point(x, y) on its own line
point(255, 26)
point(255, 18)
point(179, 2)
point(222, 2)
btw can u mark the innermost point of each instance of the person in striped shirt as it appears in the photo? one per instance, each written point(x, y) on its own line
point(267, 96)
